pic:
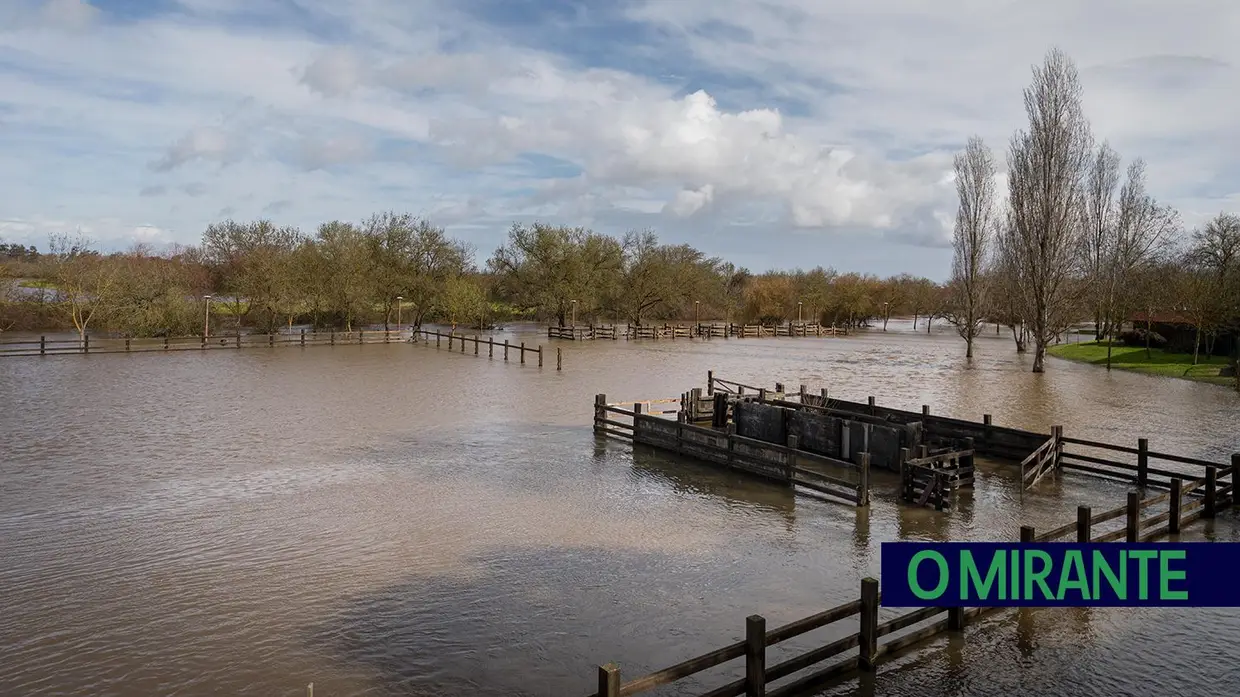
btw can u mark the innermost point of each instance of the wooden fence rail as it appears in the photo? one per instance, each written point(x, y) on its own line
point(1182, 511)
point(477, 342)
point(91, 344)
point(785, 463)
point(700, 330)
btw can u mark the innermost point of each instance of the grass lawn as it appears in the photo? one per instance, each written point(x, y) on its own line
point(1159, 362)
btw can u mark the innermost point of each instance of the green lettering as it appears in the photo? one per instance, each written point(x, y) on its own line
point(972, 578)
point(1166, 575)
point(1015, 578)
point(944, 578)
point(1072, 575)
point(1119, 583)
point(1143, 571)
point(1037, 577)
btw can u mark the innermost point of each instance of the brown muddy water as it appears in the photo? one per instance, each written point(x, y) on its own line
point(396, 520)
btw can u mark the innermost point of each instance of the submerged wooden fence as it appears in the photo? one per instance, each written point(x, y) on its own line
point(785, 463)
point(477, 342)
point(95, 344)
point(1184, 508)
point(700, 330)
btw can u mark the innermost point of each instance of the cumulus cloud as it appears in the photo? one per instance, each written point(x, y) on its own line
point(701, 117)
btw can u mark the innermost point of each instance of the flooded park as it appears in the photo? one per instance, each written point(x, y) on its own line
point(394, 519)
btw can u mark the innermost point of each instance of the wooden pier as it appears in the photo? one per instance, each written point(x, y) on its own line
point(691, 331)
point(877, 642)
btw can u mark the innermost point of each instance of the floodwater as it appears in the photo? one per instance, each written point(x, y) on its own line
point(398, 520)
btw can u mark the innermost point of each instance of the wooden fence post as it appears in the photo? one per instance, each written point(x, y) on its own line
point(1209, 507)
point(331, 337)
point(126, 344)
point(609, 680)
point(271, 340)
point(439, 337)
point(1235, 477)
point(522, 353)
point(1133, 528)
point(1027, 534)
point(719, 414)
point(863, 484)
point(870, 402)
point(869, 623)
point(925, 410)
point(1084, 524)
point(710, 382)
point(475, 344)
point(540, 356)
point(955, 618)
point(490, 348)
point(238, 339)
point(1143, 462)
point(203, 344)
point(1173, 521)
point(600, 400)
point(43, 345)
point(755, 656)
point(987, 422)
point(86, 344)
point(559, 358)
point(505, 350)
point(303, 337)
point(450, 337)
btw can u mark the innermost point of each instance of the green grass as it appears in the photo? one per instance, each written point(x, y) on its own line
point(1159, 362)
point(38, 284)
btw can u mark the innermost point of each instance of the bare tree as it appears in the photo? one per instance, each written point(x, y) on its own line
point(86, 280)
point(1046, 172)
point(1098, 217)
point(1142, 230)
point(975, 222)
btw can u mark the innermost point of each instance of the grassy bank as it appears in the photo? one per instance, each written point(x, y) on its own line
point(1159, 362)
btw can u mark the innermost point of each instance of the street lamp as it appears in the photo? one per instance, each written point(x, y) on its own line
point(886, 314)
point(697, 312)
point(574, 313)
point(399, 300)
point(206, 318)
point(798, 312)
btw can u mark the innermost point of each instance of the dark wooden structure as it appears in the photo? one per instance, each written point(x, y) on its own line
point(95, 344)
point(934, 477)
point(702, 330)
point(877, 641)
point(476, 343)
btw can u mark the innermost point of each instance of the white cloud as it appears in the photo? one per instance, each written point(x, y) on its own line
point(833, 119)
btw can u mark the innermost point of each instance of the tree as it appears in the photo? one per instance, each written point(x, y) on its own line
point(462, 301)
point(1098, 240)
point(87, 280)
point(1141, 232)
point(975, 221)
point(546, 268)
point(659, 280)
point(250, 263)
point(1046, 169)
point(415, 259)
point(347, 261)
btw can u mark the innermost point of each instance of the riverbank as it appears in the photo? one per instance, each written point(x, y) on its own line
point(1158, 362)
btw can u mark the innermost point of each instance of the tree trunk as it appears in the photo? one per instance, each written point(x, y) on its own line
point(968, 351)
point(1039, 356)
point(1109, 345)
point(1196, 344)
point(915, 315)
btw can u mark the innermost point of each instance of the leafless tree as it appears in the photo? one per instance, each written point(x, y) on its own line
point(1098, 217)
point(975, 223)
point(1046, 173)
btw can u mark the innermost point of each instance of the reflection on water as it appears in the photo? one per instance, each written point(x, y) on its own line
point(396, 520)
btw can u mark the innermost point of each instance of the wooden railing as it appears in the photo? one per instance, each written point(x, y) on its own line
point(478, 342)
point(784, 463)
point(1045, 459)
point(934, 478)
point(1139, 472)
point(90, 344)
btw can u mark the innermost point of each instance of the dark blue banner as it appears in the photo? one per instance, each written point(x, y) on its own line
point(1010, 574)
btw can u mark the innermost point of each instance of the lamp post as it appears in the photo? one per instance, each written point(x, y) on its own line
point(697, 313)
point(574, 313)
point(400, 299)
point(798, 312)
point(206, 317)
point(886, 314)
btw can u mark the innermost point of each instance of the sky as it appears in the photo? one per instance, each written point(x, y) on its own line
point(773, 133)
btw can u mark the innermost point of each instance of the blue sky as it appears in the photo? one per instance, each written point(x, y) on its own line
point(778, 134)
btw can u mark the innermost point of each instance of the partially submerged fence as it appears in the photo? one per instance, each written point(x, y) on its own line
point(94, 344)
point(934, 478)
point(477, 342)
point(698, 330)
point(786, 463)
point(1183, 509)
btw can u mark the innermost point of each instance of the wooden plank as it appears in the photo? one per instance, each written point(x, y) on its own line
point(908, 620)
point(1146, 503)
point(1113, 536)
point(1184, 460)
point(1100, 461)
point(684, 669)
point(816, 621)
point(1101, 446)
point(897, 645)
point(1057, 532)
point(1109, 515)
point(805, 660)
